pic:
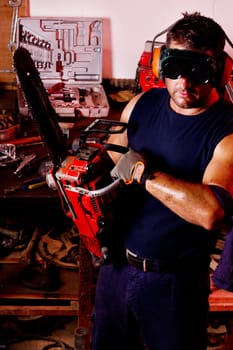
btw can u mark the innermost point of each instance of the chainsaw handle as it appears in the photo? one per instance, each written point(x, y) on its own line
point(94, 127)
point(94, 193)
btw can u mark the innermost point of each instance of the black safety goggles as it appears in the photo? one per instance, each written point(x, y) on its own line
point(198, 67)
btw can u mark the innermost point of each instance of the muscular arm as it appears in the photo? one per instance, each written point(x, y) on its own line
point(193, 202)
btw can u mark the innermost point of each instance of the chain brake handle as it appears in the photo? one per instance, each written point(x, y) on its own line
point(94, 128)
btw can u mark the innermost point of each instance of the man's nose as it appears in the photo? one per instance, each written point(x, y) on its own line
point(184, 81)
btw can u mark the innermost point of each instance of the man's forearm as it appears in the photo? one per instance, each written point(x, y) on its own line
point(194, 202)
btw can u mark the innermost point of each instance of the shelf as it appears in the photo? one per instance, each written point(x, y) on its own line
point(18, 299)
point(221, 300)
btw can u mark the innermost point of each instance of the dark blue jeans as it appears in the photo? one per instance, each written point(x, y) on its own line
point(159, 311)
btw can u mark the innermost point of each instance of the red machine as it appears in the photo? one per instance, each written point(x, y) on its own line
point(145, 77)
point(149, 62)
point(82, 178)
point(87, 190)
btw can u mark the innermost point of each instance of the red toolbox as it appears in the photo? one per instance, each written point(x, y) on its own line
point(68, 55)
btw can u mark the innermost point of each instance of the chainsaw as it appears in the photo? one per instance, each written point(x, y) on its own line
point(82, 176)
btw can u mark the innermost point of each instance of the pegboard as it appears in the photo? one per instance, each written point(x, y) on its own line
point(7, 77)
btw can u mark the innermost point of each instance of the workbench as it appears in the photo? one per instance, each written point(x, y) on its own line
point(41, 207)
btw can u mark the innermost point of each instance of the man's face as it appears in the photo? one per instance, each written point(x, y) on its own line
point(187, 95)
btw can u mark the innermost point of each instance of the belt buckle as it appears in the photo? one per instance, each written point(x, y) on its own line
point(144, 265)
point(128, 253)
point(144, 261)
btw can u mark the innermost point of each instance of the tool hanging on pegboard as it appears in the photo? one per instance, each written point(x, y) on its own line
point(8, 10)
point(15, 4)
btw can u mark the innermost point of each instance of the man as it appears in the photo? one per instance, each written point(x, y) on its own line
point(152, 291)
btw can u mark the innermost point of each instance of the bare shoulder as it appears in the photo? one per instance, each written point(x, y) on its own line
point(224, 149)
point(220, 169)
point(129, 107)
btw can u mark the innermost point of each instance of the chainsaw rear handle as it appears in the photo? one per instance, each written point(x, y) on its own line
point(94, 193)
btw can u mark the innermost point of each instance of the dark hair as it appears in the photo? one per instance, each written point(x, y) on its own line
point(195, 31)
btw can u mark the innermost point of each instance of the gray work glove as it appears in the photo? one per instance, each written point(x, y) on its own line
point(132, 167)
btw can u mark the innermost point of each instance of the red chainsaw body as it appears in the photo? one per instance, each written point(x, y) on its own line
point(78, 180)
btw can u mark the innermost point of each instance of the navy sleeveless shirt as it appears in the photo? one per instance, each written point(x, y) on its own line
point(181, 146)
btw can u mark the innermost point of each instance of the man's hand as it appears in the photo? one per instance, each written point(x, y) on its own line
point(132, 167)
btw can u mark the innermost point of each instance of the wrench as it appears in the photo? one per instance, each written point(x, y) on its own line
point(15, 4)
point(25, 161)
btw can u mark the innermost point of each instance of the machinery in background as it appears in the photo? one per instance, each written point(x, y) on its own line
point(145, 78)
point(145, 75)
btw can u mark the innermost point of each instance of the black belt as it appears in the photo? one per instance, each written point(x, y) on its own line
point(148, 265)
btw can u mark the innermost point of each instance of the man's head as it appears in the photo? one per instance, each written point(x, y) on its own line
point(191, 62)
point(197, 32)
point(203, 42)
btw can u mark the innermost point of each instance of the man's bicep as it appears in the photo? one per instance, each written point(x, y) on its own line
point(220, 169)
